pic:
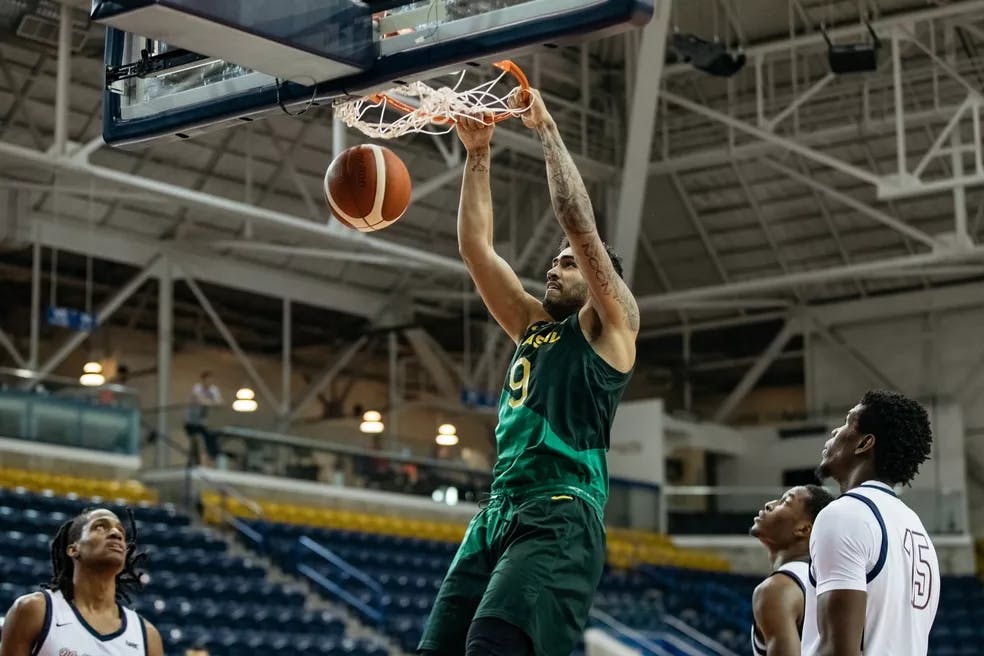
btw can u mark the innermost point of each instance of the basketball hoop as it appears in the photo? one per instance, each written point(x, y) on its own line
point(428, 110)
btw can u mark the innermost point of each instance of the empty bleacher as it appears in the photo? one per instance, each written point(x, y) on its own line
point(398, 563)
point(196, 592)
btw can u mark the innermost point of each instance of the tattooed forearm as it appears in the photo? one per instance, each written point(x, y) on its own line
point(609, 283)
point(596, 269)
point(571, 202)
point(478, 161)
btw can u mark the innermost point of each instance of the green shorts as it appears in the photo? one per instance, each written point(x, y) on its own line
point(534, 563)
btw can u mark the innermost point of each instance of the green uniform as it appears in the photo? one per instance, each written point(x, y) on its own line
point(533, 557)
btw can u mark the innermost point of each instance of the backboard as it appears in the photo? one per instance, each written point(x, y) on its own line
point(179, 67)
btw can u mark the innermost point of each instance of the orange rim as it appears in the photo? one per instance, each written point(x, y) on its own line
point(505, 65)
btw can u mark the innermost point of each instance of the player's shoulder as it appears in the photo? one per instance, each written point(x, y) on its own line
point(30, 604)
point(845, 517)
point(776, 591)
point(798, 570)
point(846, 507)
point(28, 614)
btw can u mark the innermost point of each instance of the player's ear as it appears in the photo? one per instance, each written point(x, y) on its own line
point(73, 550)
point(803, 529)
point(866, 444)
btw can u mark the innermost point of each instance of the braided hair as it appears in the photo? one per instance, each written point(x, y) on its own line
point(128, 580)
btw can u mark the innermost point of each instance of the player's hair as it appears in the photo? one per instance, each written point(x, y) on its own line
point(817, 501)
point(612, 255)
point(903, 437)
point(63, 566)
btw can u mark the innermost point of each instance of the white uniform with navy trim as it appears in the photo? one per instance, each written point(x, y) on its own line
point(66, 633)
point(869, 540)
point(799, 571)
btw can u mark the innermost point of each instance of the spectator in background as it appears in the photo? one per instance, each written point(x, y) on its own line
point(196, 651)
point(204, 395)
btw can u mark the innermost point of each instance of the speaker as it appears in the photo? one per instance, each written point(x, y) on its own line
point(853, 57)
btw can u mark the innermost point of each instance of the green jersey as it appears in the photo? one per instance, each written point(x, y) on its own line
point(555, 415)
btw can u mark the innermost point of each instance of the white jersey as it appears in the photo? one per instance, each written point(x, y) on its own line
point(799, 571)
point(66, 633)
point(869, 540)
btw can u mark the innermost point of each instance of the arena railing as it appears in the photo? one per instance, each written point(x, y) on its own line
point(676, 638)
point(61, 412)
point(250, 450)
point(372, 613)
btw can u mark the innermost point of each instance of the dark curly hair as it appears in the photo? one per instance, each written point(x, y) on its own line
point(612, 255)
point(63, 567)
point(903, 437)
point(819, 498)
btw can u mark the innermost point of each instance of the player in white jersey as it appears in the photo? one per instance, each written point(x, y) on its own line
point(79, 613)
point(874, 566)
point(783, 604)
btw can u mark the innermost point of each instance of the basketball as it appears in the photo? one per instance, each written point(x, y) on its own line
point(367, 187)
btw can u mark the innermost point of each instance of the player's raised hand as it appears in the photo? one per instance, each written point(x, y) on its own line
point(476, 132)
point(535, 114)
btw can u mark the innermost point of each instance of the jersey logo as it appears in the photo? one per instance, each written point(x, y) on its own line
point(131, 644)
point(63, 623)
point(66, 652)
point(536, 341)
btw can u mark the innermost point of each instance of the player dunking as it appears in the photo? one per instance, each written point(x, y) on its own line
point(523, 579)
point(93, 569)
point(876, 571)
point(784, 606)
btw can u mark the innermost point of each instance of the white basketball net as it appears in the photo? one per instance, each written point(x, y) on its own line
point(424, 109)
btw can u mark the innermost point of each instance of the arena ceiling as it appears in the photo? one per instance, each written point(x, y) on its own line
point(765, 199)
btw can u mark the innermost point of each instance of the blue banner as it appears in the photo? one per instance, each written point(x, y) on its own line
point(70, 318)
point(479, 398)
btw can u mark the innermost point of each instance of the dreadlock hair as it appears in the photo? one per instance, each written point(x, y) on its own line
point(612, 255)
point(903, 435)
point(819, 498)
point(63, 566)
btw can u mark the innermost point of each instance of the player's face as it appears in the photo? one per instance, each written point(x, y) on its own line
point(839, 449)
point(567, 291)
point(781, 521)
point(102, 543)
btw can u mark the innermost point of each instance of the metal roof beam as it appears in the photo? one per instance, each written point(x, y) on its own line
point(119, 246)
point(639, 138)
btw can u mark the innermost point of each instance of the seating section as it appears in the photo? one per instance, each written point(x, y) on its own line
point(716, 604)
point(405, 560)
point(65, 485)
point(408, 561)
point(719, 606)
point(626, 548)
point(959, 627)
point(630, 548)
point(196, 592)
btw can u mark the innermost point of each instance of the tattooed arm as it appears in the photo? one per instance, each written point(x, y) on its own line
point(610, 295)
point(513, 308)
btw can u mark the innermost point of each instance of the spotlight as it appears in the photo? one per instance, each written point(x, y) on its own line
point(245, 400)
point(372, 422)
point(92, 375)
